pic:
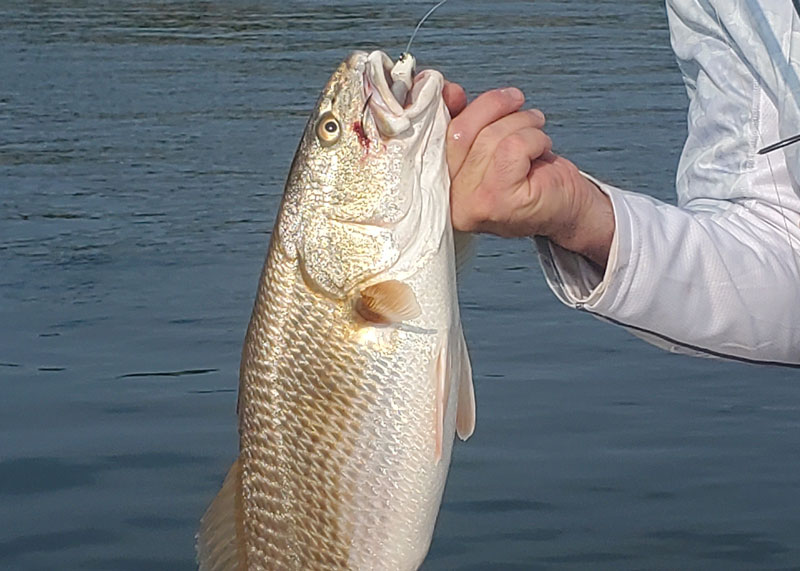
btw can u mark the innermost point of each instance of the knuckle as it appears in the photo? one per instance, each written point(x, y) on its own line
point(513, 146)
point(568, 168)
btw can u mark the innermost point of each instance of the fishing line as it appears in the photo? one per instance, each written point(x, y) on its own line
point(419, 25)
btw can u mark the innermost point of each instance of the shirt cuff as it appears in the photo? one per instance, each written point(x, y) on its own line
point(576, 281)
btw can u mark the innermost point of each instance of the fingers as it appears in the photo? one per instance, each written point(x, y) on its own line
point(490, 187)
point(512, 160)
point(492, 151)
point(486, 109)
point(490, 136)
point(454, 97)
point(486, 145)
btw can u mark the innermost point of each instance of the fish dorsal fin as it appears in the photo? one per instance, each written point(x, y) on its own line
point(217, 542)
point(387, 302)
point(465, 414)
point(464, 244)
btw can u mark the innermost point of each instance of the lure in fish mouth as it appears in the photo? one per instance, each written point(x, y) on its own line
point(395, 95)
point(355, 375)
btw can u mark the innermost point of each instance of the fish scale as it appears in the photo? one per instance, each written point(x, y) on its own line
point(315, 467)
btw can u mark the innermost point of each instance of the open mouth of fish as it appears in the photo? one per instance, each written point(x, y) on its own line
point(391, 115)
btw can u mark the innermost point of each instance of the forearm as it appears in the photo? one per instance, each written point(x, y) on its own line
point(589, 230)
point(723, 280)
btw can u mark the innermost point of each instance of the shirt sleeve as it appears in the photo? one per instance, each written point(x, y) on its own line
point(717, 279)
point(719, 274)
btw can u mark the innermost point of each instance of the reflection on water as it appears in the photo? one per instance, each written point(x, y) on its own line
point(143, 148)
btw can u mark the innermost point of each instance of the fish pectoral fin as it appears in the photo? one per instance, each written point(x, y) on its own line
point(465, 413)
point(217, 542)
point(387, 302)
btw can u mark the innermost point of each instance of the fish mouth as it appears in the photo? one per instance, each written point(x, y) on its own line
point(393, 117)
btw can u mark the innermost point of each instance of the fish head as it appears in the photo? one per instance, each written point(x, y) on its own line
point(368, 191)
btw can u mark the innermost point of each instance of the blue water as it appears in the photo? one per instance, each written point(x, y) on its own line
point(143, 149)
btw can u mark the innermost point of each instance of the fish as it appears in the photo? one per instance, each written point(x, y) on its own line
point(355, 374)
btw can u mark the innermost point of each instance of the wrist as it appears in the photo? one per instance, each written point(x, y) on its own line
point(590, 227)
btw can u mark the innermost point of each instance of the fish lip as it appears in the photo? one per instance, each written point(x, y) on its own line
point(377, 76)
point(391, 116)
point(356, 60)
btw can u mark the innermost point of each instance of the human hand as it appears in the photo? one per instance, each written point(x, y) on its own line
point(505, 179)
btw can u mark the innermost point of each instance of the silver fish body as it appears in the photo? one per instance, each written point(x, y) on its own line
point(354, 370)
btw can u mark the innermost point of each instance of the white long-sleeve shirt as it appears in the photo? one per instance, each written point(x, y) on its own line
point(719, 274)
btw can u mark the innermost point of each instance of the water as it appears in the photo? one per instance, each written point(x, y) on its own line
point(143, 149)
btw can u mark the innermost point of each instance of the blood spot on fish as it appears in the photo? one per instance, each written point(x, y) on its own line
point(362, 136)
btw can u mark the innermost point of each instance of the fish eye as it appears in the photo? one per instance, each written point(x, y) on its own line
point(328, 129)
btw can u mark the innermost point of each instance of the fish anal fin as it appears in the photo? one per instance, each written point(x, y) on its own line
point(441, 387)
point(465, 413)
point(387, 302)
point(451, 365)
point(217, 541)
point(464, 244)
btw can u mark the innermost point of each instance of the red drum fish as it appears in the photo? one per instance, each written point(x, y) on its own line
point(355, 373)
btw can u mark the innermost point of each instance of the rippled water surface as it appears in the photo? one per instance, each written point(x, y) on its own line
point(143, 149)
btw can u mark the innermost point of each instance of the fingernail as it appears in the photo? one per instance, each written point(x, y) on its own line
point(536, 113)
point(513, 93)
